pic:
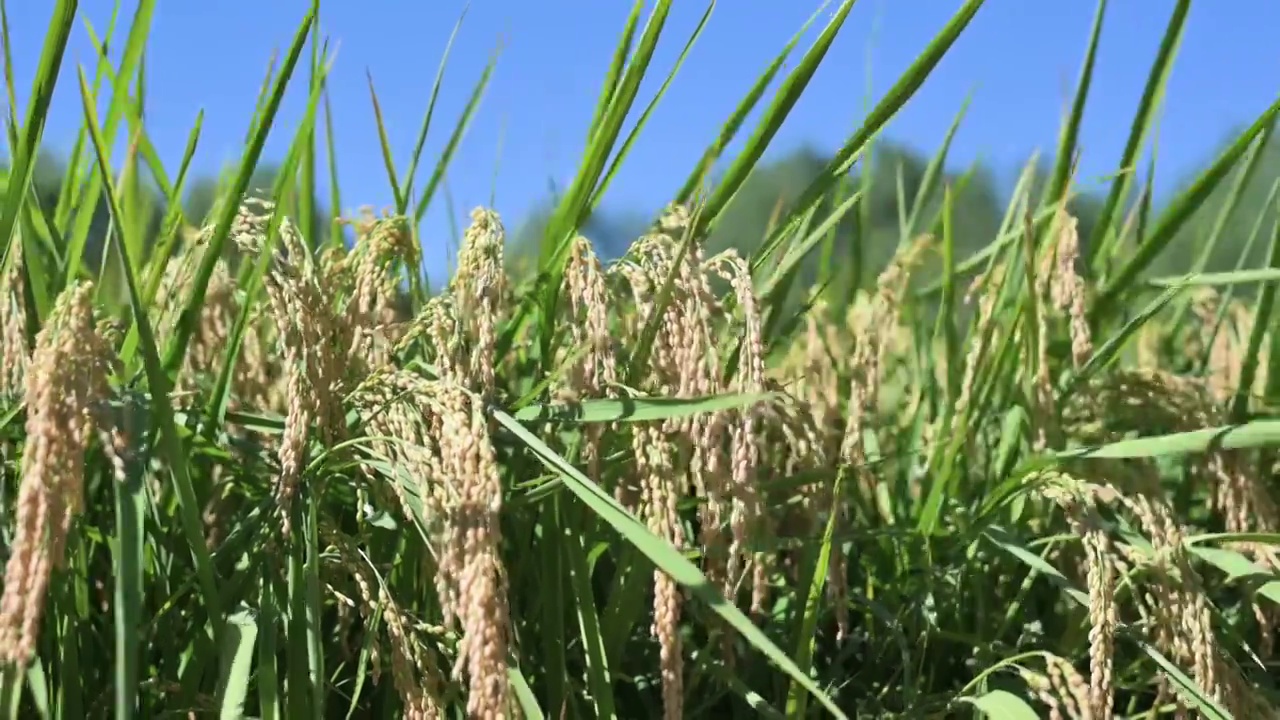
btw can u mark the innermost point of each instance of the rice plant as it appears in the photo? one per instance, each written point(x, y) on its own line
point(252, 469)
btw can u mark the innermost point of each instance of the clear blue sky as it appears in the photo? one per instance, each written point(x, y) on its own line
point(1020, 59)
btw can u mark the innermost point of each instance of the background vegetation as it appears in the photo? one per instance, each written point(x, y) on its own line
point(843, 436)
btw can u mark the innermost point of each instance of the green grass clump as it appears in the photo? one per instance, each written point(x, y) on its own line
point(255, 470)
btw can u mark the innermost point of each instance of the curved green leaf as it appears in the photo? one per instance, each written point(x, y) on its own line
point(1001, 705)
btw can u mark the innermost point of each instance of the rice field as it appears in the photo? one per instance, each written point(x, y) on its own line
point(255, 464)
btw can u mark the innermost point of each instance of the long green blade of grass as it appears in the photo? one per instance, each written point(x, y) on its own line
point(237, 663)
point(87, 205)
point(416, 155)
point(1178, 212)
point(783, 102)
point(1059, 182)
point(570, 211)
point(934, 174)
point(384, 144)
point(1104, 236)
point(455, 139)
point(806, 631)
point(638, 409)
point(1253, 158)
point(23, 165)
point(903, 90)
point(1253, 434)
point(129, 590)
point(190, 315)
point(625, 148)
point(1263, 310)
point(731, 126)
point(161, 408)
point(664, 556)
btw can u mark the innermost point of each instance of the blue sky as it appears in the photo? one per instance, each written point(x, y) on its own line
point(1018, 58)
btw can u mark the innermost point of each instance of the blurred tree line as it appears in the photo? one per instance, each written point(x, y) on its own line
point(870, 232)
point(979, 203)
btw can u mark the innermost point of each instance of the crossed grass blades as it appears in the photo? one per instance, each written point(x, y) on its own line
point(251, 473)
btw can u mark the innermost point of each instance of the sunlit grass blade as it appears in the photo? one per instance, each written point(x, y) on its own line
point(268, 676)
point(307, 219)
point(956, 426)
point(1008, 234)
point(1059, 181)
point(251, 279)
point(774, 115)
point(1209, 243)
point(828, 270)
point(411, 172)
point(731, 126)
point(778, 287)
point(1226, 295)
point(1000, 705)
point(840, 164)
point(621, 154)
point(867, 181)
point(264, 94)
point(524, 695)
point(135, 44)
point(172, 230)
point(455, 139)
point(383, 143)
point(639, 409)
point(1237, 566)
point(34, 269)
point(1253, 434)
point(644, 345)
point(1097, 248)
point(553, 601)
point(1110, 349)
point(1272, 389)
point(1263, 310)
point(934, 174)
point(313, 608)
point(236, 664)
point(796, 254)
point(571, 209)
point(300, 674)
point(10, 85)
point(1187, 687)
point(599, 679)
point(1218, 279)
point(44, 226)
point(189, 317)
point(22, 166)
point(617, 64)
point(172, 225)
point(331, 160)
point(944, 328)
point(362, 664)
point(1176, 214)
